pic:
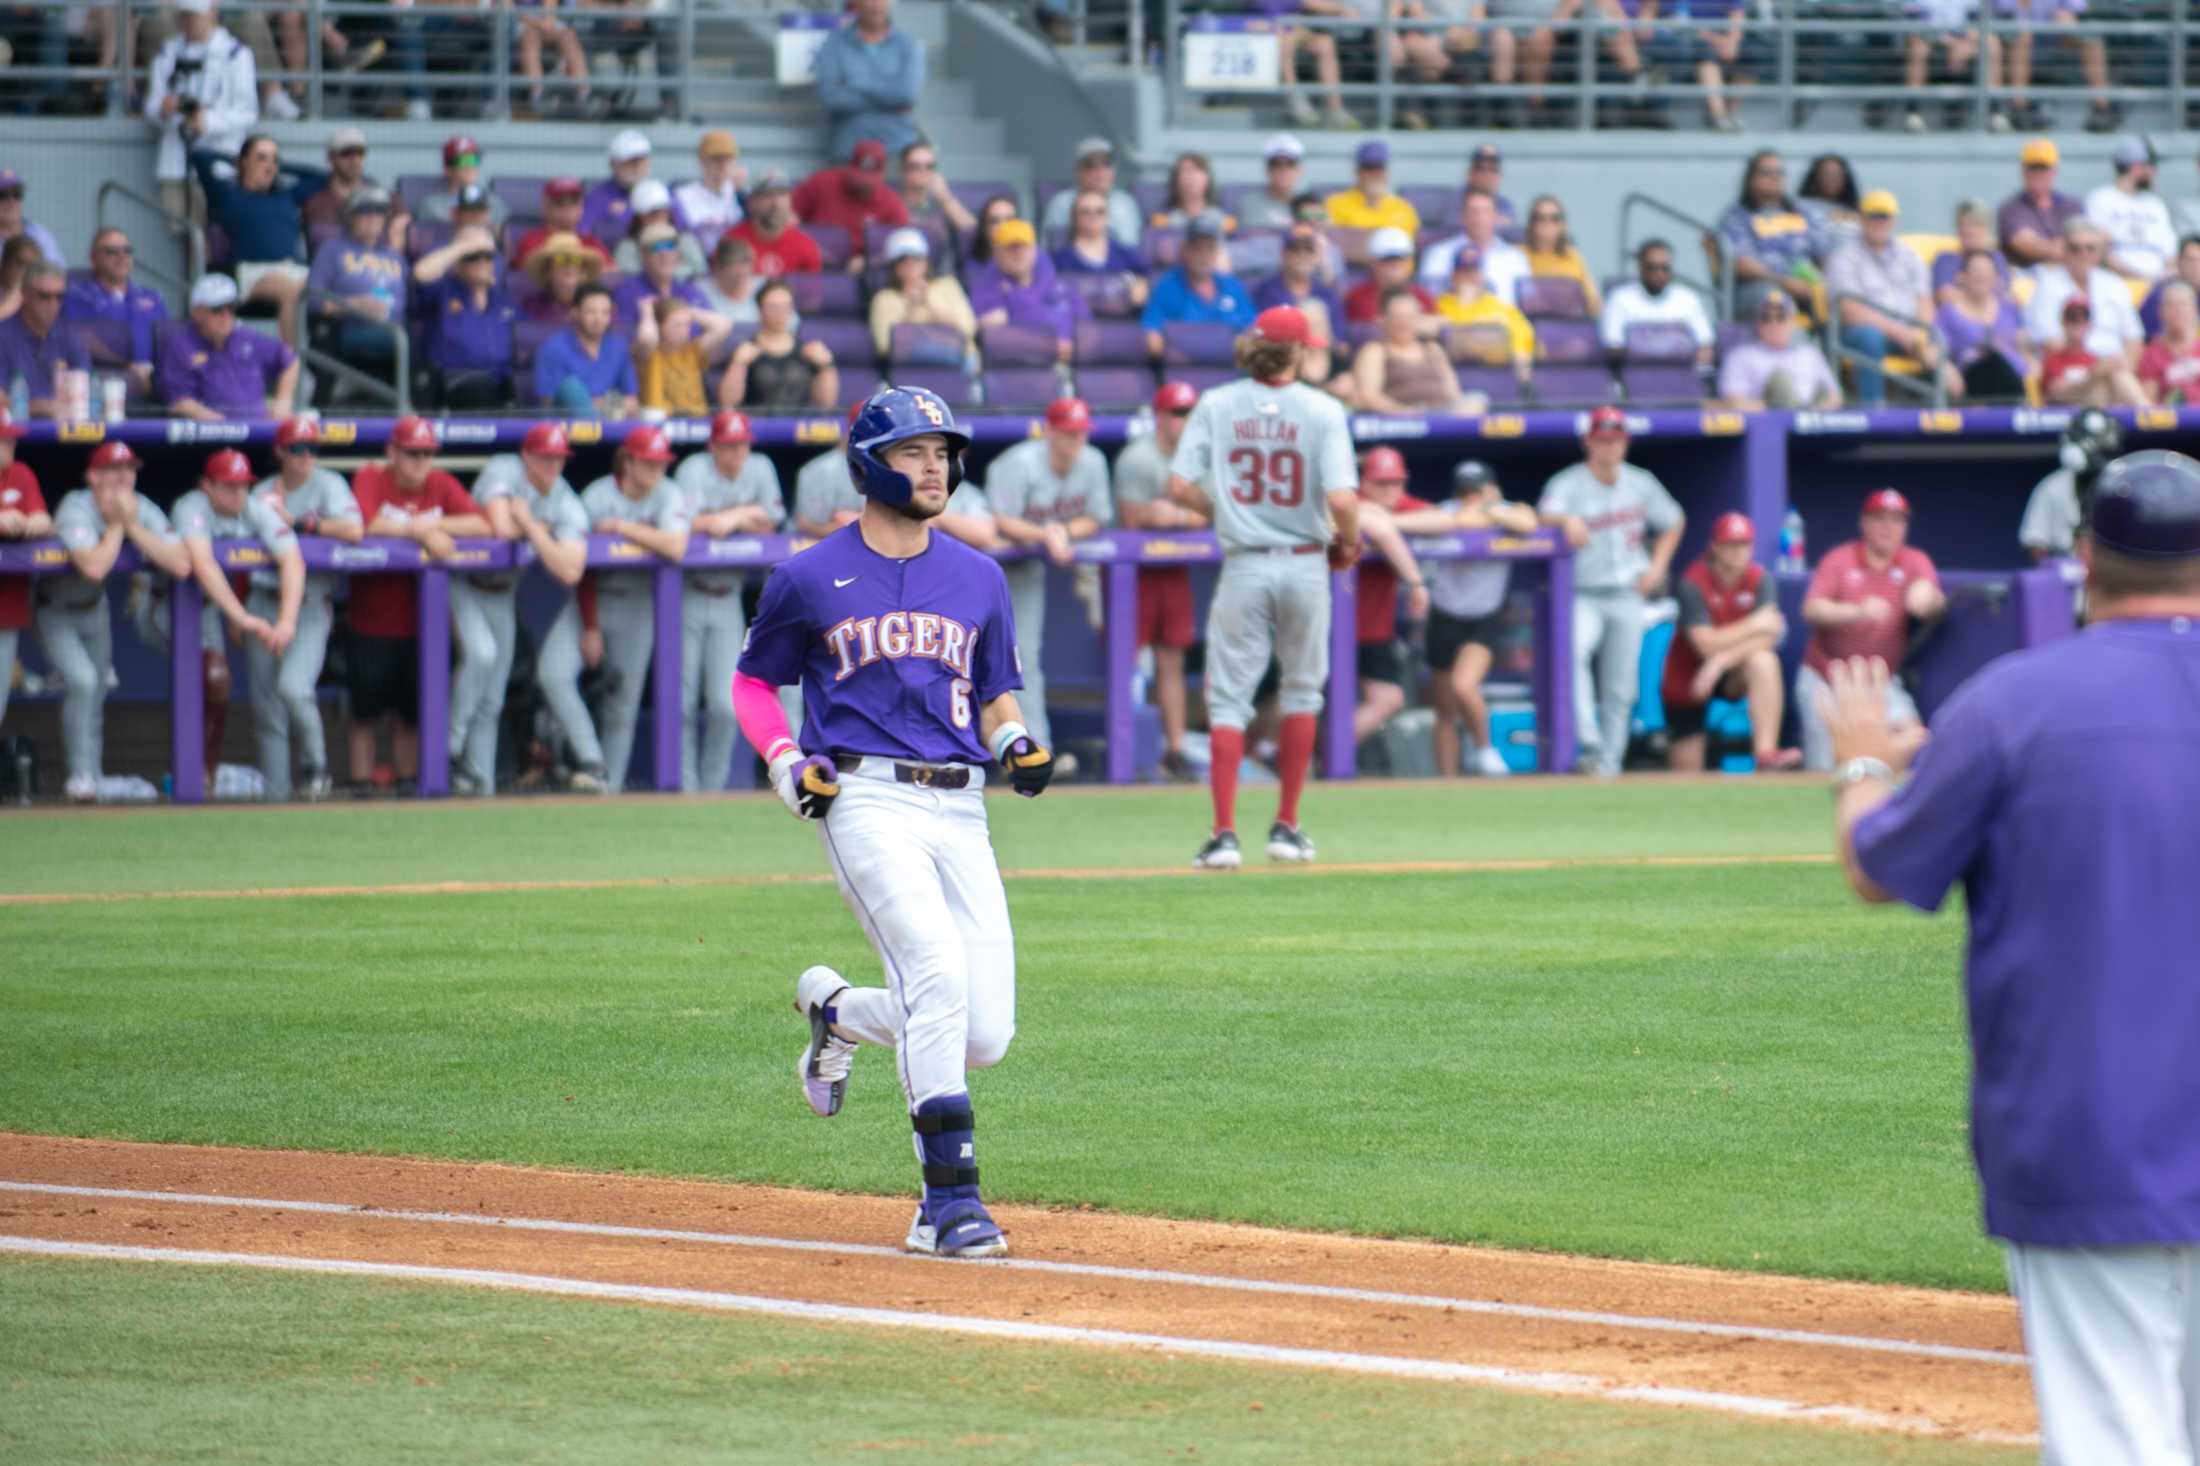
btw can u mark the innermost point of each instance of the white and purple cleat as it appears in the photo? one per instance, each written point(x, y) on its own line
point(827, 1057)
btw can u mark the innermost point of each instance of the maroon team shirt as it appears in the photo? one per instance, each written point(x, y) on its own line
point(1379, 586)
point(19, 492)
point(1846, 576)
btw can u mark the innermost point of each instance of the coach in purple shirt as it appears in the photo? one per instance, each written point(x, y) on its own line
point(212, 372)
point(34, 345)
point(2061, 787)
point(109, 294)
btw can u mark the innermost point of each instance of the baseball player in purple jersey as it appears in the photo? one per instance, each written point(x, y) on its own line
point(904, 642)
point(2060, 787)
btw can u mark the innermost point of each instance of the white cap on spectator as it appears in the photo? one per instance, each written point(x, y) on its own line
point(628, 146)
point(212, 292)
point(649, 196)
point(1283, 145)
point(907, 244)
point(1389, 244)
point(195, 7)
point(1095, 147)
point(345, 137)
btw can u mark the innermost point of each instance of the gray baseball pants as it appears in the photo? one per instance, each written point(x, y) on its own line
point(711, 628)
point(1267, 605)
point(558, 677)
point(80, 645)
point(283, 703)
point(7, 670)
point(1607, 642)
point(628, 619)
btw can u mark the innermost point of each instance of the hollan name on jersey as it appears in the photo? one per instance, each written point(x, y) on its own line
point(859, 643)
point(1266, 429)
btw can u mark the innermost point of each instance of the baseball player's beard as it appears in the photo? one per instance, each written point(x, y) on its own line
point(919, 512)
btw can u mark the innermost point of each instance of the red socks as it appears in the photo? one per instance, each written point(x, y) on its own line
point(1295, 758)
point(1227, 749)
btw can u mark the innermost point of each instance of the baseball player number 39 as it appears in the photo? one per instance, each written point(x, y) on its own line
point(905, 645)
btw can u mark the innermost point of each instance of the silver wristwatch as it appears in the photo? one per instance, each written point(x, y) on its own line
point(1857, 770)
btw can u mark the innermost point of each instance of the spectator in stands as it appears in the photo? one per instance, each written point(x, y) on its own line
point(1299, 283)
point(1164, 591)
point(712, 203)
point(1322, 46)
point(1862, 598)
point(2150, 310)
point(587, 369)
point(561, 216)
point(347, 174)
point(775, 371)
point(1197, 289)
point(1486, 171)
point(558, 268)
point(1829, 199)
point(2113, 334)
point(1274, 207)
point(993, 213)
point(1958, 43)
point(731, 285)
point(109, 294)
point(914, 296)
point(2030, 221)
point(1652, 298)
point(471, 209)
point(210, 371)
point(627, 30)
point(1390, 265)
point(261, 205)
point(357, 286)
point(1777, 369)
point(1503, 265)
point(461, 171)
point(651, 206)
point(1551, 252)
point(536, 22)
point(1727, 53)
point(780, 246)
point(14, 224)
point(466, 320)
point(23, 516)
point(852, 198)
point(202, 93)
point(1314, 213)
point(1974, 231)
point(1402, 370)
point(925, 192)
point(1471, 302)
point(2141, 240)
point(2169, 368)
point(672, 348)
point(16, 258)
point(1726, 644)
point(1527, 58)
point(1191, 196)
point(1369, 203)
point(608, 206)
point(2062, 18)
point(658, 279)
point(1021, 289)
point(1095, 173)
point(1882, 302)
point(1383, 667)
point(2074, 372)
point(1984, 331)
point(1047, 493)
point(1091, 250)
point(1770, 245)
point(869, 77)
point(34, 345)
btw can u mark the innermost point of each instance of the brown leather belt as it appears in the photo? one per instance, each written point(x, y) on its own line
point(924, 776)
point(1278, 550)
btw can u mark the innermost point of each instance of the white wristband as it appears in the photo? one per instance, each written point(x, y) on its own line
point(783, 761)
point(1004, 735)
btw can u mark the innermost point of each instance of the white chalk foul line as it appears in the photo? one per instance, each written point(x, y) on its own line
point(1534, 1381)
point(1074, 1269)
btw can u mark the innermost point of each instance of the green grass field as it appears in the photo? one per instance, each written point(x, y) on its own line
point(1735, 1065)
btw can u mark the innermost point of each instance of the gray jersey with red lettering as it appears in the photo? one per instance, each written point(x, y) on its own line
point(1268, 457)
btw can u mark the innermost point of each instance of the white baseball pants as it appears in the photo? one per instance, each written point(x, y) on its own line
point(1607, 671)
point(917, 867)
point(1267, 605)
point(2114, 1335)
point(1817, 737)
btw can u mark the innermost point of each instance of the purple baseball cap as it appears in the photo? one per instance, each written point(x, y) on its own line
point(9, 178)
point(2147, 506)
point(1375, 153)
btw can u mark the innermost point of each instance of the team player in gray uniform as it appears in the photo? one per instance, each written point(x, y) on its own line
point(730, 490)
point(74, 626)
point(1270, 460)
point(311, 500)
point(1048, 492)
point(1624, 528)
point(222, 507)
point(526, 498)
point(638, 502)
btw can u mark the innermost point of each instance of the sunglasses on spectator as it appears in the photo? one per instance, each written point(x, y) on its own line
point(351, 152)
point(478, 257)
point(665, 246)
point(1541, 216)
point(10, 194)
point(43, 294)
point(1657, 267)
point(919, 165)
point(2085, 247)
point(1089, 212)
point(110, 249)
point(415, 453)
point(302, 450)
point(463, 160)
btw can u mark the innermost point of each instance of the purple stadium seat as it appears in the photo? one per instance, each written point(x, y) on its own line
point(1115, 389)
point(1552, 295)
point(972, 196)
point(426, 236)
point(954, 385)
point(832, 293)
point(746, 331)
point(1256, 252)
point(1161, 247)
point(318, 233)
point(1499, 384)
point(833, 245)
point(856, 384)
point(1152, 197)
point(848, 341)
point(1018, 346)
point(926, 345)
point(1198, 343)
point(1438, 206)
point(1020, 388)
point(1582, 383)
point(1204, 378)
point(1733, 334)
point(1478, 345)
point(1358, 333)
point(1042, 195)
point(1110, 343)
point(413, 187)
point(1569, 341)
point(1105, 295)
point(1655, 383)
point(1660, 341)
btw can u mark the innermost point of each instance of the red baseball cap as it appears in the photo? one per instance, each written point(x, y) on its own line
point(1887, 501)
point(413, 435)
point(547, 440)
point(9, 427)
point(1286, 324)
point(1384, 463)
point(869, 156)
point(1069, 415)
point(228, 467)
point(1176, 397)
point(458, 147)
point(296, 430)
point(728, 428)
point(114, 453)
point(564, 186)
point(1606, 422)
point(647, 443)
point(1733, 529)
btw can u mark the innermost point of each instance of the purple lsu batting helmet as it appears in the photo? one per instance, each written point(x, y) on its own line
point(895, 415)
point(2147, 506)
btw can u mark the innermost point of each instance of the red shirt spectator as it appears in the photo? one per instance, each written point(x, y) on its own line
point(785, 249)
point(853, 196)
point(2171, 373)
point(1363, 303)
point(1378, 597)
point(1848, 574)
point(2068, 368)
point(389, 605)
point(18, 494)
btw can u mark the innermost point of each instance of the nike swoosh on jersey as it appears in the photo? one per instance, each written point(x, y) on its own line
point(851, 580)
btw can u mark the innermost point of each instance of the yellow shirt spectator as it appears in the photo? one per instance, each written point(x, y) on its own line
point(1351, 209)
point(1488, 310)
point(672, 380)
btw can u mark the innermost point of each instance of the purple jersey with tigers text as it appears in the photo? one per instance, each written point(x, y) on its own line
point(895, 657)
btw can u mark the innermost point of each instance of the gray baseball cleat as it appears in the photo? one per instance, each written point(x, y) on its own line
point(827, 1057)
point(1289, 844)
point(1220, 852)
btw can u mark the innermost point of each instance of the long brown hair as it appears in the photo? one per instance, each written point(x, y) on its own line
point(1265, 361)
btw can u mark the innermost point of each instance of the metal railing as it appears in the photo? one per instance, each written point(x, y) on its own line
point(393, 393)
point(1929, 388)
